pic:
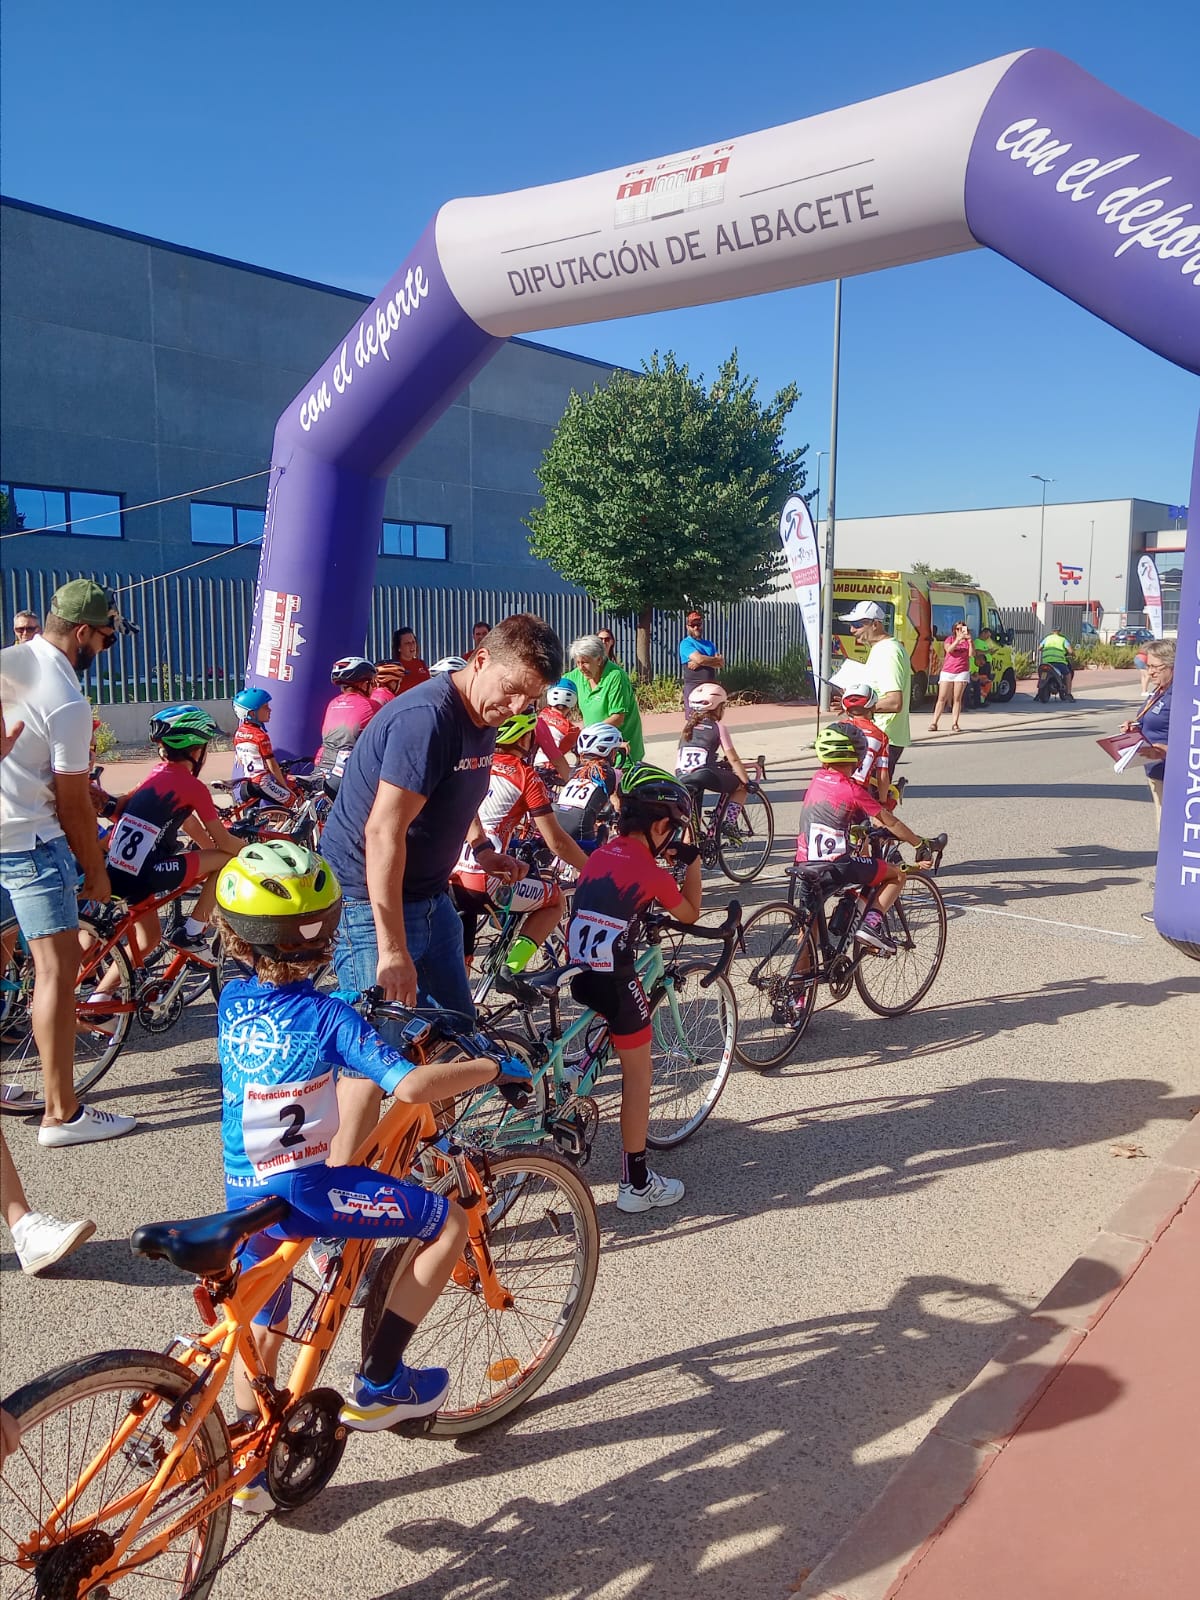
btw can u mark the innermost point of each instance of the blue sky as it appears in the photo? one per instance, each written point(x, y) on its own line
point(319, 140)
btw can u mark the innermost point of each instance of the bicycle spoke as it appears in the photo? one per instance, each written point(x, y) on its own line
point(892, 985)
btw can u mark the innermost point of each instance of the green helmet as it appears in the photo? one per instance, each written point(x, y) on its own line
point(280, 897)
point(182, 727)
point(840, 744)
point(648, 794)
point(514, 729)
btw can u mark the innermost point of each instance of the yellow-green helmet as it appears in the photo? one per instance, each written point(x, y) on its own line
point(513, 729)
point(280, 898)
point(840, 744)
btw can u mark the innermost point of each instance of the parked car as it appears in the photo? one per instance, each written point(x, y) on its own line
point(1134, 636)
point(1088, 634)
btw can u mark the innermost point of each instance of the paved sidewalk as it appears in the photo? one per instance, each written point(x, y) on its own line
point(1068, 1468)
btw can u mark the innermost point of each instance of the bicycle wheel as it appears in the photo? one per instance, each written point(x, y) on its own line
point(544, 1241)
point(744, 846)
point(892, 985)
point(483, 1116)
point(689, 1062)
point(775, 985)
point(68, 1420)
point(99, 1034)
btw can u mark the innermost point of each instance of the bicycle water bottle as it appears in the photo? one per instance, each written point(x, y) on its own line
point(843, 915)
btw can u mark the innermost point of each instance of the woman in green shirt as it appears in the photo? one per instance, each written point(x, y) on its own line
point(605, 692)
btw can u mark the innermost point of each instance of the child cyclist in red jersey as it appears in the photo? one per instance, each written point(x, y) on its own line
point(143, 855)
point(252, 747)
point(875, 769)
point(835, 802)
point(515, 791)
point(347, 714)
point(556, 719)
point(620, 881)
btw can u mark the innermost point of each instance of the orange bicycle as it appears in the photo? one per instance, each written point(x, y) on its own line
point(122, 1481)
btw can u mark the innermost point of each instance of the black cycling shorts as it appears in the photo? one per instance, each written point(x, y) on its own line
point(849, 870)
point(724, 780)
point(159, 877)
point(620, 999)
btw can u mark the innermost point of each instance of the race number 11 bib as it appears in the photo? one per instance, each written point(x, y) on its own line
point(592, 939)
point(131, 843)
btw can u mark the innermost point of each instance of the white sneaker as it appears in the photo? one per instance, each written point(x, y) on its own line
point(14, 1093)
point(253, 1497)
point(659, 1191)
point(42, 1240)
point(86, 1128)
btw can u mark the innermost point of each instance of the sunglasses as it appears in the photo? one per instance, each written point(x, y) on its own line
point(30, 628)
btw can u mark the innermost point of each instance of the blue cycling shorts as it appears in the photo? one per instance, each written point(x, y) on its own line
point(337, 1203)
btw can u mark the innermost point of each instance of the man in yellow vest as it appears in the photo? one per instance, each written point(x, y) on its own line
point(1055, 651)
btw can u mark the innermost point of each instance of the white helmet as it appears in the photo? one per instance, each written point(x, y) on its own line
point(707, 697)
point(858, 697)
point(448, 664)
point(563, 695)
point(599, 739)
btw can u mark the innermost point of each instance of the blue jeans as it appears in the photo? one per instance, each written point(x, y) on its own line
point(39, 888)
point(434, 933)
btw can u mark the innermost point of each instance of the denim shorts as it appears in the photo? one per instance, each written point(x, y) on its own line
point(39, 889)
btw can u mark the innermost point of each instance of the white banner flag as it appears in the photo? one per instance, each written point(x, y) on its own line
point(799, 538)
point(1151, 594)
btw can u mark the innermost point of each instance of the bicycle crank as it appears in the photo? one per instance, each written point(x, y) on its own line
point(307, 1449)
point(574, 1128)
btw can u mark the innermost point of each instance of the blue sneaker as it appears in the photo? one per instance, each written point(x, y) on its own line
point(409, 1392)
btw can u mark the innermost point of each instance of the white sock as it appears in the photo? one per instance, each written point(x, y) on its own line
point(191, 927)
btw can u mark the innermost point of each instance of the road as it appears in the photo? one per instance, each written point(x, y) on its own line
point(860, 1229)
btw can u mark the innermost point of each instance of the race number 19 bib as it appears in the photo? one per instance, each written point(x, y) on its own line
point(825, 844)
point(131, 843)
point(592, 938)
point(286, 1125)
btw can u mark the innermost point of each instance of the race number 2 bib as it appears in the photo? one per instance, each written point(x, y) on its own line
point(286, 1125)
point(131, 844)
point(592, 939)
point(575, 795)
point(691, 758)
point(825, 844)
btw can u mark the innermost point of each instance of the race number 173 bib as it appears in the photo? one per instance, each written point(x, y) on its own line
point(592, 938)
point(286, 1125)
point(131, 843)
point(575, 795)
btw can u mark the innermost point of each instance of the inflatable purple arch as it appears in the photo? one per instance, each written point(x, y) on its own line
point(1027, 155)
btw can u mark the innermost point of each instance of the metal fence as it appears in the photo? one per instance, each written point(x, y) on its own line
point(1028, 631)
point(194, 632)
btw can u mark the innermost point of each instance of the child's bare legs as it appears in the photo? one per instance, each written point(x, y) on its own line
point(635, 1096)
point(269, 1342)
point(145, 936)
point(414, 1291)
point(889, 891)
point(211, 862)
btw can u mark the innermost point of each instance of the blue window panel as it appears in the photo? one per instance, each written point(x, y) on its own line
point(251, 524)
point(42, 508)
point(95, 516)
point(431, 542)
point(211, 524)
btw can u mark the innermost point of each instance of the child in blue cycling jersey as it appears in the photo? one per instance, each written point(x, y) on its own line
point(281, 1043)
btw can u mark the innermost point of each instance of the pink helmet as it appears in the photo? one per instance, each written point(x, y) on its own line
point(707, 697)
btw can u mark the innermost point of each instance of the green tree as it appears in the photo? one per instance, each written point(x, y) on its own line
point(661, 493)
point(11, 520)
point(943, 574)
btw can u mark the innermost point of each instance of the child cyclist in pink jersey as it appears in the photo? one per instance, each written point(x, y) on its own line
point(358, 698)
point(833, 804)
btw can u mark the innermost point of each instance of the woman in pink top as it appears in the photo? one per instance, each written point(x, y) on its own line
point(955, 676)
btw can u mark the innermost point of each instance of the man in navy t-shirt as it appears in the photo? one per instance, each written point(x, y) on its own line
point(406, 803)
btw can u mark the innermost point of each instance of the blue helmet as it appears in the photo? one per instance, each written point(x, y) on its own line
point(247, 701)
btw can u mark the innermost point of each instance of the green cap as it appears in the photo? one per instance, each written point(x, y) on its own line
point(83, 600)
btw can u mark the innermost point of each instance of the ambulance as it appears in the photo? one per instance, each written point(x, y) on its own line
point(905, 600)
point(954, 602)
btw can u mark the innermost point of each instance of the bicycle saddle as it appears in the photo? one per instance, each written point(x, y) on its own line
point(205, 1245)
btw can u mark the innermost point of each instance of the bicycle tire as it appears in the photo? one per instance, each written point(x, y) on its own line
point(688, 1075)
point(482, 1116)
point(41, 1408)
point(881, 981)
point(743, 858)
point(775, 1002)
point(95, 1049)
point(482, 1347)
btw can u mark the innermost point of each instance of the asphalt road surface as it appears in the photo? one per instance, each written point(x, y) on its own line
point(859, 1232)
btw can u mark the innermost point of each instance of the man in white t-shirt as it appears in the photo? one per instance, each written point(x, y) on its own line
point(888, 671)
point(47, 825)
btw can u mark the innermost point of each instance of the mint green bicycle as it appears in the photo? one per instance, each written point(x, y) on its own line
point(693, 1021)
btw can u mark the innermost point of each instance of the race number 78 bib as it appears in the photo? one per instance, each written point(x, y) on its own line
point(131, 843)
point(592, 939)
point(286, 1125)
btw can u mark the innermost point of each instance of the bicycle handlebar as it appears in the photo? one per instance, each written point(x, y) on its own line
point(729, 932)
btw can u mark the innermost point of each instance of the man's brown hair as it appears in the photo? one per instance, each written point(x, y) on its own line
point(527, 639)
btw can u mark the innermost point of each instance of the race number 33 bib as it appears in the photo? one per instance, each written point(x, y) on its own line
point(131, 843)
point(286, 1125)
point(691, 758)
point(592, 938)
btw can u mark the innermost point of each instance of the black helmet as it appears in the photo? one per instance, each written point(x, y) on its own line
point(648, 794)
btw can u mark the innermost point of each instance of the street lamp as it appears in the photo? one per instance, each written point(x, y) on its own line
point(1042, 531)
point(817, 496)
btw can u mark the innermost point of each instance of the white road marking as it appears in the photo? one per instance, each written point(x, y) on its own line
point(1049, 922)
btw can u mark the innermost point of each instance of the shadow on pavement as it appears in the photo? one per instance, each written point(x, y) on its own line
point(765, 1447)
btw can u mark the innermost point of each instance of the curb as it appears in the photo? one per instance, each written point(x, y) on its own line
point(883, 1548)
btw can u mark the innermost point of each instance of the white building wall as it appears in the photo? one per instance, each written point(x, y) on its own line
point(999, 547)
